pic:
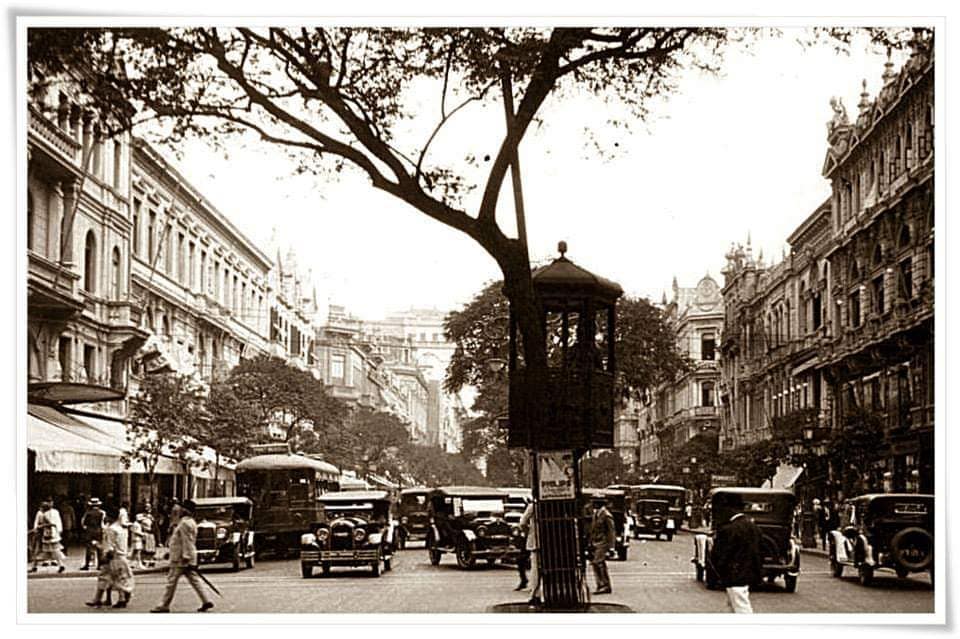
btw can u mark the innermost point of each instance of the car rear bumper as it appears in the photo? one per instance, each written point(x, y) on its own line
point(341, 557)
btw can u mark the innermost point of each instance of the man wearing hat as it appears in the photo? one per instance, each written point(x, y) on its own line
point(183, 559)
point(736, 557)
point(92, 524)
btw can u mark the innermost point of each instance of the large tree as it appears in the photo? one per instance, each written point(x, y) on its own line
point(231, 426)
point(341, 97)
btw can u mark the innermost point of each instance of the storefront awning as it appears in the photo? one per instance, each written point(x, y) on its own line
point(63, 445)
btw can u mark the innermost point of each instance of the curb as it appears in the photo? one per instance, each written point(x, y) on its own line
point(74, 574)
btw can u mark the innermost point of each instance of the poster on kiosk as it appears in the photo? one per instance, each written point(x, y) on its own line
point(555, 471)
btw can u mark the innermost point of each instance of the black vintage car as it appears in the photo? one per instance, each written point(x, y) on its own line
point(893, 531)
point(651, 517)
point(412, 513)
point(356, 529)
point(616, 501)
point(772, 510)
point(225, 531)
point(469, 522)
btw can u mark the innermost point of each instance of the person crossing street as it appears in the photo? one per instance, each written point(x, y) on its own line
point(603, 537)
point(183, 560)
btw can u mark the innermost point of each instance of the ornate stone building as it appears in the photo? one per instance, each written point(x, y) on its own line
point(844, 324)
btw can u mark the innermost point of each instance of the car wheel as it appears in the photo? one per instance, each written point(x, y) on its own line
point(865, 573)
point(325, 568)
point(465, 558)
point(306, 570)
point(790, 581)
point(699, 572)
point(235, 564)
point(669, 536)
point(912, 549)
point(903, 573)
point(386, 565)
point(375, 568)
point(622, 554)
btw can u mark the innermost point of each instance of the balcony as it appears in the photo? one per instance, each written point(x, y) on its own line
point(64, 144)
point(705, 411)
point(52, 289)
point(921, 417)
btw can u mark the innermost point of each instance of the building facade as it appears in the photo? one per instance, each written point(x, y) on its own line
point(843, 327)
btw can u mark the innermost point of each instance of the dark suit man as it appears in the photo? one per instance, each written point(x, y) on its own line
point(736, 558)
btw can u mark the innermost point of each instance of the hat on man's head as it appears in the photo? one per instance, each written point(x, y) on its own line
point(93, 502)
point(189, 505)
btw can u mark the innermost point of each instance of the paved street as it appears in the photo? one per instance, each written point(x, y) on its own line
point(657, 577)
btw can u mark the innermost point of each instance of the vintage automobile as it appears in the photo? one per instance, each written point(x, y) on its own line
point(413, 516)
point(469, 522)
point(652, 517)
point(356, 529)
point(618, 508)
point(517, 501)
point(225, 531)
point(772, 510)
point(890, 530)
point(675, 496)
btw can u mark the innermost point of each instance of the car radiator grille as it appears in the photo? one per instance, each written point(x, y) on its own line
point(206, 539)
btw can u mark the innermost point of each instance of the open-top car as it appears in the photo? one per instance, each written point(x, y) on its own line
point(517, 501)
point(356, 529)
point(772, 510)
point(413, 516)
point(469, 522)
point(225, 531)
point(652, 517)
point(892, 530)
point(616, 501)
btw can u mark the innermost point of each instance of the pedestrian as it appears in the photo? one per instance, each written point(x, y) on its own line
point(528, 523)
point(69, 517)
point(183, 560)
point(92, 524)
point(173, 517)
point(817, 516)
point(828, 521)
point(688, 513)
point(115, 573)
point(603, 538)
point(148, 523)
point(736, 558)
point(47, 528)
point(136, 541)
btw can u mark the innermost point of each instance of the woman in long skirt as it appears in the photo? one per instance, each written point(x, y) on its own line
point(47, 528)
point(115, 573)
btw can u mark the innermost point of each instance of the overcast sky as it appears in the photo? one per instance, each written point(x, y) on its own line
point(726, 156)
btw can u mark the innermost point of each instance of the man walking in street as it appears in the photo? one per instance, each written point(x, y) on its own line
point(736, 557)
point(528, 523)
point(92, 524)
point(183, 560)
point(603, 537)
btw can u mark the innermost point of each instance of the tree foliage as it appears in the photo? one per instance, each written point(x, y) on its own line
point(277, 393)
point(433, 466)
point(230, 426)
point(167, 418)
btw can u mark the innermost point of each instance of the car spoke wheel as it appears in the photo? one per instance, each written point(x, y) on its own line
point(790, 581)
point(306, 570)
point(465, 558)
point(865, 574)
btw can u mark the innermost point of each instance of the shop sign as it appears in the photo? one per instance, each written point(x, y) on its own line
point(555, 474)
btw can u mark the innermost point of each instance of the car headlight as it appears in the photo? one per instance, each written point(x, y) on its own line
point(481, 531)
point(359, 534)
point(322, 534)
point(516, 531)
point(221, 532)
point(307, 539)
point(404, 520)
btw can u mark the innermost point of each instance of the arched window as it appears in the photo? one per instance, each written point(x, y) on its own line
point(30, 220)
point(90, 263)
point(854, 271)
point(117, 274)
point(904, 240)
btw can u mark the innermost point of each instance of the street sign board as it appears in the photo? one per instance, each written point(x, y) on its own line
point(555, 473)
point(723, 480)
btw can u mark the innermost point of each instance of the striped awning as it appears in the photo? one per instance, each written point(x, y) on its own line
point(64, 445)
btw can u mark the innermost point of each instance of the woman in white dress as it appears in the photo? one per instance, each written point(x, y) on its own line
point(48, 528)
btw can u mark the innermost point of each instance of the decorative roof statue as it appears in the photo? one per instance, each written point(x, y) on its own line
point(839, 115)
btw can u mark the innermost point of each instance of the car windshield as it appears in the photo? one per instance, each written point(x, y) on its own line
point(482, 506)
point(414, 501)
point(221, 513)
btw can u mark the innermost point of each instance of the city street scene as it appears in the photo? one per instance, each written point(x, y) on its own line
point(523, 319)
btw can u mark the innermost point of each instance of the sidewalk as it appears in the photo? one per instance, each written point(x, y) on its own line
point(810, 551)
point(74, 560)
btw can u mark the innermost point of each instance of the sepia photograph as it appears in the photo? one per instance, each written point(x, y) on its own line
point(480, 316)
